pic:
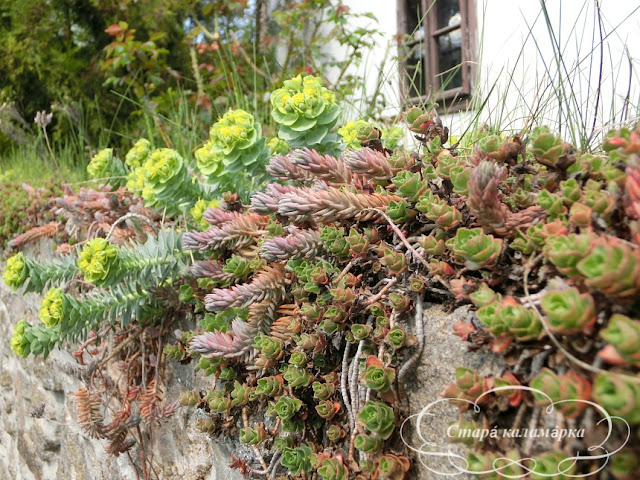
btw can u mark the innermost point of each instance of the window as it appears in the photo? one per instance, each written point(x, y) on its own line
point(438, 50)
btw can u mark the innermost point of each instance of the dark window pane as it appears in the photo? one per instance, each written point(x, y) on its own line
point(413, 18)
point(448, 12)
point(449, 60)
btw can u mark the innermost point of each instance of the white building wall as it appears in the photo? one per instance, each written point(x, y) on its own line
point(516, 54)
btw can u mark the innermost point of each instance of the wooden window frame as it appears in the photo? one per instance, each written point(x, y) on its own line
point(453, 99)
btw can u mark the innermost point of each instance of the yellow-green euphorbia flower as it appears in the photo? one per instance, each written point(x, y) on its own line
point(162, 165)
point(304, 109)
point(52, 309)
point(198, 210)
point(209, 160)
point(138, 153)
point(15, 272)
point(97, 259)
point(278, 146)
point(349, 133)
point(18, 342)
point(99, 165)
point(234, 132)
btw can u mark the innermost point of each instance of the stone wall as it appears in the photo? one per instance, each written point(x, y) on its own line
point(40, 439)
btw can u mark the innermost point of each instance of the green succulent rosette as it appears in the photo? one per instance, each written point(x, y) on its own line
point(613, 269)
point(333, 469)
point(563, 389)
point(378, 377)
point(297, 377)
point(16, 271)
point(286, 407)
point(97, 260)
point(565, 251)
point(546, 146)
point(551, 202)
point(52, 308)
point(305, 111)
point(439, 211)
point(484, 296)
point(297, 459)
point(618, 396)
point(104, 165)
point(335, 242)
point(269, 346)
point(460, 177)
point(253, 436)
point(623, 334)
point(511, 318)
point(393, 466)
point(378, 418)
point(521, 322)
point(474, 248)
point(398, 211)
point(410, 185)
point(335, 433)
point(137, 155)
point(568, 311)
point(350, 133)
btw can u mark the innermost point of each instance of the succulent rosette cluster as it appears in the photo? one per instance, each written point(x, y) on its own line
point(305, 110)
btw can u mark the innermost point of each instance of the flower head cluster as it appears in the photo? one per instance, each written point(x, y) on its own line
point(198, 210)
point(138, 153)
point(52, 308)
point(305, 110)
point(105, 165)
point(235, 145)
point(277, 146)
point(19, 343)
point(97, 259)
point(350, 133)
point(15, 272)
point(99, 164)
